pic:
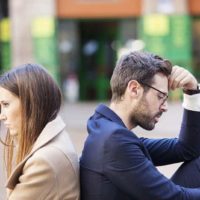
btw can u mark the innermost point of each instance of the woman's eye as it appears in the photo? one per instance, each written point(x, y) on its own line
point(5, 104)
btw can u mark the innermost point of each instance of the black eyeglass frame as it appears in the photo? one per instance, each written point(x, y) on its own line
point(165, 97)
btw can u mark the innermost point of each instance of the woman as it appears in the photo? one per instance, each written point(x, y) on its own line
point(45, 163)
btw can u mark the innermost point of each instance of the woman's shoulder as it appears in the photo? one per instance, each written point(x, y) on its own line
point(60, 145)
point(48, 167)
point(55, 158)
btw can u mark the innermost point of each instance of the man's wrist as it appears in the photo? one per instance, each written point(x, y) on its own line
point(191, 92)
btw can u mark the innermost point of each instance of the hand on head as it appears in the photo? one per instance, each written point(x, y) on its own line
point(182, 78)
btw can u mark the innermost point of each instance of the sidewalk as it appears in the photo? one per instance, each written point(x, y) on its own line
point(76, 115)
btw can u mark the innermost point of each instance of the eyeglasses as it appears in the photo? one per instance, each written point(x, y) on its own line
point(163, 96)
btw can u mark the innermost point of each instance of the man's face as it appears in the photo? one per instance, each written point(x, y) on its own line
point(152, 104)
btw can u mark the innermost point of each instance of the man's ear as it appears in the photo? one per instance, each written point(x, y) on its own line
point(134, 88)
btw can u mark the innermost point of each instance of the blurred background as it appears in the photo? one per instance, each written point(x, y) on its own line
point(79, 41)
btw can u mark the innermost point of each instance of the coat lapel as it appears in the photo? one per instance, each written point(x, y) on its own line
point(50, 131)
point(108, 113)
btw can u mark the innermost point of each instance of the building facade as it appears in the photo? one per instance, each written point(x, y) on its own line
point(78, 41)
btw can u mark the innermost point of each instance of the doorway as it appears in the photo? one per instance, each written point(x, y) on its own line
point(97, 58)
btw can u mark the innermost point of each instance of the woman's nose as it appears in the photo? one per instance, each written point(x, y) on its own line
point(2, 116)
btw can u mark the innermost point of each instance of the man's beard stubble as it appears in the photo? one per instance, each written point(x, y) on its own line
point(142, 117)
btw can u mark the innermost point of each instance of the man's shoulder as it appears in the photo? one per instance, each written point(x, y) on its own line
point(104, 126)
point(104, 131)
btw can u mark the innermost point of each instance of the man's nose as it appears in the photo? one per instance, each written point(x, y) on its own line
point(164, 106)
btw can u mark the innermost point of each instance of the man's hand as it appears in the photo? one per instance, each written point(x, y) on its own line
point(182, 78)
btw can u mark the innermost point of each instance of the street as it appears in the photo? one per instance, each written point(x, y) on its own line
point(76, 115)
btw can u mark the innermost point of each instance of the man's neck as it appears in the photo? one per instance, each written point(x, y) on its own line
point(122, 111)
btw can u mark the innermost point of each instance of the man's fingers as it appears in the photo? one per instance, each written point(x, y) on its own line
point(176, 81)
point(181, 78)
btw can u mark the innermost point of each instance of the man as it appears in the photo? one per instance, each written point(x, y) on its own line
point(115, 163)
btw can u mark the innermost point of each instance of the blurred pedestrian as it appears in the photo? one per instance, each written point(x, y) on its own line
point(40, 159)
point(118, 165)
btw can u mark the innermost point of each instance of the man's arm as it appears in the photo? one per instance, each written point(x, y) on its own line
point(187, 147)
point(134, 174)
point(173, 150)
point(190, 129)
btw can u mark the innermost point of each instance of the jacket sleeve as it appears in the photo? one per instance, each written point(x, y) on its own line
point(186, 147)
point(131, 171)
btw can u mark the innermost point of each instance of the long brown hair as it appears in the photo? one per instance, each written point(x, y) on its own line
point(40, 99)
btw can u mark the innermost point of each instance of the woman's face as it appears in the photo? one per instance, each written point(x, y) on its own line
point(10, 111)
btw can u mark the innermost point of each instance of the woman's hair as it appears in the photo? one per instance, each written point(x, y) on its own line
point(40, 99)
point(140, 66)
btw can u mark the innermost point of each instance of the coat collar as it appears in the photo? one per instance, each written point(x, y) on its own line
point(50, 131)
point(108, 113)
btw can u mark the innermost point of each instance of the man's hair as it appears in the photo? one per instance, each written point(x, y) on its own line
point(40, 99)
point(140, 66)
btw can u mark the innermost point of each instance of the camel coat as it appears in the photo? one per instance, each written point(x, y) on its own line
point(50, 171)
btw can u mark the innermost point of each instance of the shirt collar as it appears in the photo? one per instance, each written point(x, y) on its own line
point(108, 113)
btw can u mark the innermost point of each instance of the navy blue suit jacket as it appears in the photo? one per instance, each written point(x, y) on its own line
point(117, 165)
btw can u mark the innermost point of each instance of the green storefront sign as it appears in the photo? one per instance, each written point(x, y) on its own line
point(45, 44)
point(181, 41)
point(5, 53)
point(170, 37)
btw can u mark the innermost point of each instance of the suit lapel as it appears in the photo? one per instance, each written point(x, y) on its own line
point(109, 114)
